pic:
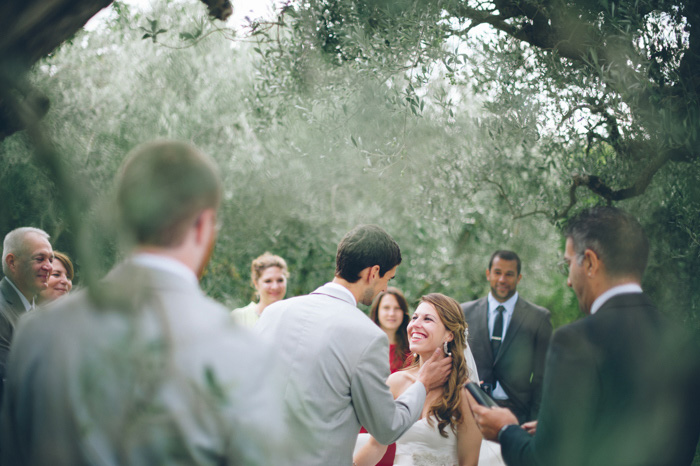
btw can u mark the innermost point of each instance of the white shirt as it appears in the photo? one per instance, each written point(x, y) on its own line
point(25, 302)
point(507, 314)
point(340, 287)
point(509, 305)
point(158, 262)
point(627, 288)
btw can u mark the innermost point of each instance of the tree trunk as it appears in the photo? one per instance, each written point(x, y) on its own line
point(33, 28)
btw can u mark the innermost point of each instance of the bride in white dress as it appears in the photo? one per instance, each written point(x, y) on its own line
point(446, 433)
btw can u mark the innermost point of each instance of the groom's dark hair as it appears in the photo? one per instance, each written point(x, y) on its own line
point(366, 246)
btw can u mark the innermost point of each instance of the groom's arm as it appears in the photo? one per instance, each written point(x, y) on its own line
point(391, 420)
point(383, 417)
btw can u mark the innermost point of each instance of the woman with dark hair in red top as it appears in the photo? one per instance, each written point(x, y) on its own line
point(390, 312)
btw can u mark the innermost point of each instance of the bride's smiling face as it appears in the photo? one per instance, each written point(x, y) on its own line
point(426, 331)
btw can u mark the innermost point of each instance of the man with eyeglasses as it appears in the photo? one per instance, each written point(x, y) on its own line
point(27, 259)
point(621, 385)
point(509, 337)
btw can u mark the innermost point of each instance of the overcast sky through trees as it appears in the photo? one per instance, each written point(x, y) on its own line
point(241, 9)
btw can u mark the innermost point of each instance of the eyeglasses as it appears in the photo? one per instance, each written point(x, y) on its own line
point(563, 267)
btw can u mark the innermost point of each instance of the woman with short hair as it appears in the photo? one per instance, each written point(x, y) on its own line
point(268, 275)
point(60, 280)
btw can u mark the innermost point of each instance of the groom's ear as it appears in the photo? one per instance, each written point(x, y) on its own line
point(368, 273)
point(374, 272)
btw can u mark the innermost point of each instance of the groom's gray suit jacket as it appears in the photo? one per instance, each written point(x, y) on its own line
point(335, 362)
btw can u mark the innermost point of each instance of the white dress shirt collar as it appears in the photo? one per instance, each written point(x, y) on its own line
point(509, 305)
point(25, 301)
point(167, 264)
point(627, 288)
point(341, 288)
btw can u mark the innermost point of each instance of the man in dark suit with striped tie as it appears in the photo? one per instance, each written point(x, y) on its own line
point(509, 337)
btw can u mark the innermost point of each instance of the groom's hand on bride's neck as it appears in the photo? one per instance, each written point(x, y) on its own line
point(435, 371)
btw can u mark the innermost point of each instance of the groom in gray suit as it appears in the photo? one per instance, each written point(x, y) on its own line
point(336, 360)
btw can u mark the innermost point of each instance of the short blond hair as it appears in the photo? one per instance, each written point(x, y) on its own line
point(265, 261)
point(162, 186)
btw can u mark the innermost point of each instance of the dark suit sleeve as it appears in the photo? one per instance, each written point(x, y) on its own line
point(10, 310)
point(541, 343)
point(565, 417)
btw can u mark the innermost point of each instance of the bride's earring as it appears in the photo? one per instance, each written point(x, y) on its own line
point(444, 349)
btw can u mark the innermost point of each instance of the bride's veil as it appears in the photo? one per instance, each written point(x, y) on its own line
point(473, 374)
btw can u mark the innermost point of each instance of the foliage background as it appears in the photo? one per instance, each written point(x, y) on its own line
point(443, 150)
point(457, 139)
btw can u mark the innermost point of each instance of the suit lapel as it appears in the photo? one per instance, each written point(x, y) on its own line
point(13, 307)
point(480, 327)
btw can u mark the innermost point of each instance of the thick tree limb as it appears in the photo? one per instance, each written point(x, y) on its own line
point(589, 36)
point(598, 186)
point(31, 29)
point(219, 9)
point(9, 123)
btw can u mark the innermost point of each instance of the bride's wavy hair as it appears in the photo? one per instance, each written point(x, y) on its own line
point(447, 408)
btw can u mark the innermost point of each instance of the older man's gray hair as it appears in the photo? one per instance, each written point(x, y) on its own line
point(14, 242)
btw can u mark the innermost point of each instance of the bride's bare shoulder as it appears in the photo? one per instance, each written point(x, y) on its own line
point(403, 376)
point(399, 381)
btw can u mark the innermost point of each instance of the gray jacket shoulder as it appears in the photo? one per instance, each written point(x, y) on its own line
point(542, 312)
point(9, 299)
point(471, 306)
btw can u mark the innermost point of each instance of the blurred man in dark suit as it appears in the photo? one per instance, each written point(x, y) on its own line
point(621, 385)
